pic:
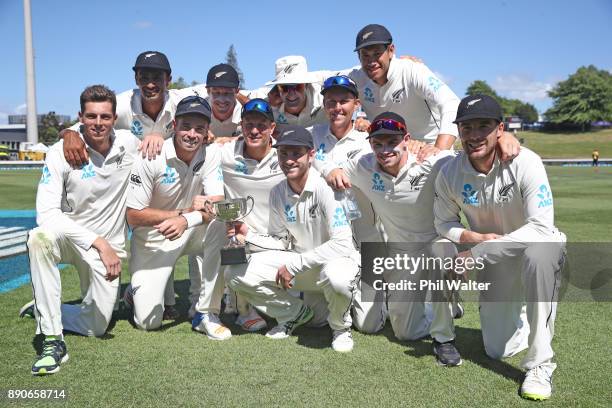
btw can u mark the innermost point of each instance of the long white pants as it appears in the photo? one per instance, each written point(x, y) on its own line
point(48, 247)
point(409, 318)
point(256, 281)
point(152, 265)
point(533, 280)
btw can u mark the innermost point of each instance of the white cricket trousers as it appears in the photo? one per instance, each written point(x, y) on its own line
point(533, 280)
point(409, 318)
point(47, 247)
point(256, 281)
point(151, 265)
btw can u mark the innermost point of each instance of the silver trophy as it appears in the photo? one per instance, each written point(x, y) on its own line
point(230, 211)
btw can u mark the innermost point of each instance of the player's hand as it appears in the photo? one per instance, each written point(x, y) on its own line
point(472, 237)
point(210, 138)
point(75, 151)
point(201, 203)
point(151, 145)
point(109, 258)
point(242, 99)
point(284, 278)
point(236, 228)
point(463, 256)
point(508, 147)
point(172, 228)
point(361, 124)
point(338, 180)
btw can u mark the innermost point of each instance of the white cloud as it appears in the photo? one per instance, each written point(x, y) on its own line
point(142, 25)
point(21, 109)
point(523, 87)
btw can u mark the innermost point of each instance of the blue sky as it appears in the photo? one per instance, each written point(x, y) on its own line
point(520, 47)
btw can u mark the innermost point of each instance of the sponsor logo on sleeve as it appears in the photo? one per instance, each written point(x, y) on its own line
point(320, 154)
point(545, 197)
point(434, 83)
point(169, 176)
point(46, 175)
point(135, 179)
point(340, 219)
point(368, 95)
point(469, 195)
point(136, 128)
point(88, 171)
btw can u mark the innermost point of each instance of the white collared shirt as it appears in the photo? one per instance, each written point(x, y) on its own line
point(513, 200)
point(88, 202)
point(404, 203)
point(168, 183)
point(332, 153)
point(313, 221)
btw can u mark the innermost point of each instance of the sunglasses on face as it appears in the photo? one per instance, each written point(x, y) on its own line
point(387, 124)
point(287, 87)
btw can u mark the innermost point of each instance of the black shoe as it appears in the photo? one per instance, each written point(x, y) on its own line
point(447, 354)
point(459, 312)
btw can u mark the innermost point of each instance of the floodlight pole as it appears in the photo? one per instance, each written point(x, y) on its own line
point(32, 122)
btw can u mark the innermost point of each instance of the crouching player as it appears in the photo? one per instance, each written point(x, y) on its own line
point(81, 218)
point(168, 221)
point(303, 212)
point(509, 208)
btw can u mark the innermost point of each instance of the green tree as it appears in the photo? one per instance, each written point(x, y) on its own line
point(527, 112)
point(585, 97)
point(180, 83)
point(232, 59)
point(48, 129)
point(479, 87)
point(510, 107)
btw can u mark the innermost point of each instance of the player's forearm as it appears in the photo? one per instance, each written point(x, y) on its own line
point(148, 217)
point(445, 141)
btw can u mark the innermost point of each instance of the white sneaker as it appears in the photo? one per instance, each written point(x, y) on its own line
point(252, 321)
point(284, 330)
point(537, 384)
point(343, 341)
point(209, 324)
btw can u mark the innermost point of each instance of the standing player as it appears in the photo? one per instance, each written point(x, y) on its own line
point(508, 206)
point(401, 191)
point(166, 223)
point(81, 218)
point(303, 212)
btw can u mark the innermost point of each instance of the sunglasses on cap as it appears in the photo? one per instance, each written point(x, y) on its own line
point(258, 105)
point(387, 124)
point(287, 87)
point(339, 80)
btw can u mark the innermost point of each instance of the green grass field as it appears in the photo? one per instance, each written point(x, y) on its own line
point(177, 367)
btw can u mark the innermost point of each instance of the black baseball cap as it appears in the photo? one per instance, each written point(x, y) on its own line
point(372, 34)
point(478, 107)
point(193, 104)
point(292, 135)
point(342, 82)
point(223, 75)
point(152, 60)
point(387, 123)
point(260, 106)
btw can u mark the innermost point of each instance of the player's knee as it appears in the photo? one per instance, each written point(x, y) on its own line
point(40, 240)
point(367, 327)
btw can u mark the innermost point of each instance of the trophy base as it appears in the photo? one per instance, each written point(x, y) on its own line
point(233, 256)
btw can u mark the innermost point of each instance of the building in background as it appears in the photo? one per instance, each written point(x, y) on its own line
point(22, 119)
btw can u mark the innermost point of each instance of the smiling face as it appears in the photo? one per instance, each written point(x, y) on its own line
point(153, 84)
point(339, 106)
point(98, 119)
point(295, 161)
point(257, 130)
point(189, 133)
point(390, 151)
point(222, 101)
point(479, 138)
point(375, 60)
point(294, 97)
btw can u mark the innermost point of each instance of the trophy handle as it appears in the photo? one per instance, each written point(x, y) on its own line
point(252, 200)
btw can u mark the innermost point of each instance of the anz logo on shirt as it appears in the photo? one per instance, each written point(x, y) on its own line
point(88, 171)
point(544, 196)
point(469, 195)
point(46, 176)
point(378, 183)
point(320, 155)
point(136, 128)
point(219, 173)
point(340, 219)
point(241, 167)
point(434, 83)
point(281, 119)
point(169, 176)
point(290, 213)
point(368, 95)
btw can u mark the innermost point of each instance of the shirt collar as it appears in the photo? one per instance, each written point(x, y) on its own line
point(469, 169)
point(136, 103)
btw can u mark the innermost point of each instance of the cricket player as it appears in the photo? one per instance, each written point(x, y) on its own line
point(250, 168)
point(221, 92)
point(81, 218)
point(303, 212)
point(401, 190)
point(147, 112)
point(299, 91)
point(168, 223)
point(508, 205)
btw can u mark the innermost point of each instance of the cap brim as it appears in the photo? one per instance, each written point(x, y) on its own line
point(192, 112)
point(223, 84)
point(165, 69)
point(293, 79)
point(291, 143)
point(344, 87)
point(373, 42)
point(382, 132)
point(476, 116)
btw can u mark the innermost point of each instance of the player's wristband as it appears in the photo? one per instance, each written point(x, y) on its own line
point(193, 218)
